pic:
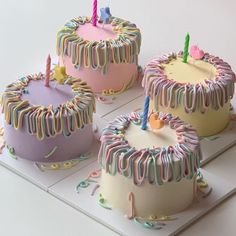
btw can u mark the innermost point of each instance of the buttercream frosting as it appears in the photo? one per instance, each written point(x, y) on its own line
point(48, 121)
point(158, 164)
point(98, 54)
point(166, 92)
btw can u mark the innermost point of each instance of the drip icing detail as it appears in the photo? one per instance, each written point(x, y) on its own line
point(170, 94)
point(103, 202)
point(202, 185)
point(48, 121)
point(97, 54)
point(95, 189)
point(131, 202)
point(11, 151)
point(2, 146)
point(147, 223)
point(156, 165)
point(51, 152)
point(84, 184)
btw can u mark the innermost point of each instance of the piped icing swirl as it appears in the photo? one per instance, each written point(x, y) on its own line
point(156, 165)
point(97, 54)
point(166, 92)
point(47, 121)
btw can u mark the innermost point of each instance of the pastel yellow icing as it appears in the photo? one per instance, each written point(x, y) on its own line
point(216, 120)
point(194, 71)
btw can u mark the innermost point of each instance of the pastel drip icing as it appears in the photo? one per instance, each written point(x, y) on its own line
point(131, 202)
point(157, 165)
point(11, 151)
point(90, 179)
point(103, 202)
point(166, 92)
point(47, 121)
point(202, 185)
point(98, 54)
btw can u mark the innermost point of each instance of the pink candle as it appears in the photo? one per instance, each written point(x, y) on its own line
point(94, 19)
point(48, 70)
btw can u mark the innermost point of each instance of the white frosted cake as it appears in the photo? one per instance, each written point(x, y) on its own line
point(149, 172)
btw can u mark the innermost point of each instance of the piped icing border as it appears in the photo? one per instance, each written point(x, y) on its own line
point(48, 121)
point(97, 54)
point(168, 93)
point(157, 164)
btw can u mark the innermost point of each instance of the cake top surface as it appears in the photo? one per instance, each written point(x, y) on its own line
point(177, 157)
point(198, 84)
point(98, 33)
point(193, 72)
point(54, 95)
point(141, 139)
point(117, 42)
point(41, 114)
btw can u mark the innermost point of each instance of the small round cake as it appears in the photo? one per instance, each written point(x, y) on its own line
point(198, 92)
point(105, 56)
point(152, 171)
point(48, 124)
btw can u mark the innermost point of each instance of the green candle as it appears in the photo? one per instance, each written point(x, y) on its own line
point(186, 45)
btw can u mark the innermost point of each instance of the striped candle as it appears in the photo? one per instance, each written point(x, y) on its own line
point(145, 113)
point(95, 6)
point(186, 46)
point(48, 71)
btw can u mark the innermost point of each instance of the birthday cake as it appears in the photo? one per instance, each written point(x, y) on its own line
point(48, 122)
point(149, 172)
point(105, 55)
point(198, 91)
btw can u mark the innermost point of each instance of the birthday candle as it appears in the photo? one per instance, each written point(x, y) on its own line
point(48, 70)
point(94, 19)
point(186, 46)
point(145, 113)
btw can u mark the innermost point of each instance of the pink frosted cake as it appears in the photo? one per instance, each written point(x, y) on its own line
point(148, 173)
point(48, 124)
point(105, 56)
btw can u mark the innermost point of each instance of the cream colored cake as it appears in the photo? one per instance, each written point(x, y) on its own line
point(148, 172)
point(198, 91)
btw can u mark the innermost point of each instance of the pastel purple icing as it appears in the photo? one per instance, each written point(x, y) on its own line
point(55, 94)
point(28, 147)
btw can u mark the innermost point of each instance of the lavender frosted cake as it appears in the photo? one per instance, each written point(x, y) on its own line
point(48, 123)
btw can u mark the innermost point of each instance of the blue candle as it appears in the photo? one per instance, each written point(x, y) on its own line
point(145, 113)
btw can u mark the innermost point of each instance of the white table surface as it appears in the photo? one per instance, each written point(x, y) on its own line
point(28, 29)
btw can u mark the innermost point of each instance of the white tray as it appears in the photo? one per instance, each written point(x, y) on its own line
point(113, 219)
